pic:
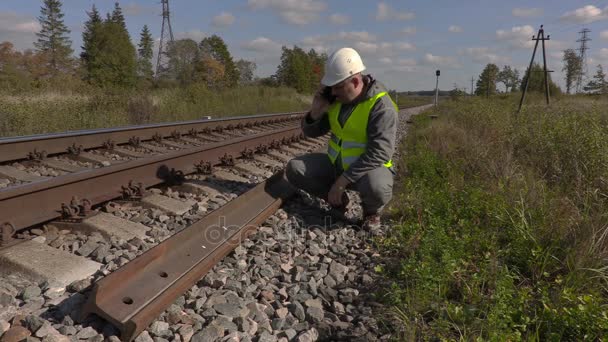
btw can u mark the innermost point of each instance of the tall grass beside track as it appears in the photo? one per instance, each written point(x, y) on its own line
point(44, 112)
point(502, 223)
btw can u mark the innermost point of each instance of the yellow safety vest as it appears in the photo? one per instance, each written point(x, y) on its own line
point(350, 141)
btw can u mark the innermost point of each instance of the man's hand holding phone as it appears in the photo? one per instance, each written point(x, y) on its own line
point(320, 103)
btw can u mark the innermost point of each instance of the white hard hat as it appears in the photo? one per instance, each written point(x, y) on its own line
point(341, 65)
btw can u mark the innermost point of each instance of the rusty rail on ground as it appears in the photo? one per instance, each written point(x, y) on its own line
point(18, 148)
point(134, 295)
point(34, 203)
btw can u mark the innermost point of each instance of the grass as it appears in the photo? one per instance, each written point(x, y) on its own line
point(413, 101)
point(47, 112)
point(501, 222)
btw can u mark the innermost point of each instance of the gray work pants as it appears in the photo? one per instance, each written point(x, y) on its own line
point(315, 174)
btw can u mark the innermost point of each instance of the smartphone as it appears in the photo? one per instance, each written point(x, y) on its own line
point(327, 95)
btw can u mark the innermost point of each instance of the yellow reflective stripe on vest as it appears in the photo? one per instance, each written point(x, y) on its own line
point(350, 140)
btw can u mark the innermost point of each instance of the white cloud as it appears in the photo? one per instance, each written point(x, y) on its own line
point(527, 12)
point(408, 30)
point(518, 36)
point(18, 29)
point(386, 60)
point(407, 62)
point(196, 35)
point(296, 12)
point(262, 44)
point(604, 35)
point(223, 19)
point(361, 41)
point(440, 61)
point(585, 15)
point(486, 55)
point(339, 19)
point(604, 52)
point(455, 29)
point(385, 12)
point(134, 9)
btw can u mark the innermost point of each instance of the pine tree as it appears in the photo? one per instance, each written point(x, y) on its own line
point(537, 81)
point(90, 40)
point(145, 53)
point(486, 84)
point(116, 60)
point(215, 47)
point(117, 16)
point(52, 38)
point(598, 85)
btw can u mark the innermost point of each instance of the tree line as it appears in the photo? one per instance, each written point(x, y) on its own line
point(109, 59)
point(572, 67)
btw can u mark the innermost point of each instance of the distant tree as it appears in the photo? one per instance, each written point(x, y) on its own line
point(183, 56)
point(116, 60)
point(90, 40)
point(509, 77)
point(246, 70)
point(317, 62)
point(210, 72)
point(52, 38)
point(145, 53)
point(214, 47)
point(486, 84)
point(537, 81)
point(572, 68)
point(598, 85)
point(296, 70)
point(117, 16)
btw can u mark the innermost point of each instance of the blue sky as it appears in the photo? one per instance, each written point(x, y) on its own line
point(401, 42)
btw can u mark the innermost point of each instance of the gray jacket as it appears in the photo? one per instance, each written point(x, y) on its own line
point(381, 131)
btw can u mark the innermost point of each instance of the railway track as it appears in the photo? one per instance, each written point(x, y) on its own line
point(143, 227)
point(86, 175)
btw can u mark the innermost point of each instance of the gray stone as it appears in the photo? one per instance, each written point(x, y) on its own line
point(265, 336)
point(308, 336)
point(226, 323)
point(314, 314)
point(55, 338)
point(88, 248)
point(209, 333)
point(186, 332)
point(46, 329)
point(144, 337)
point(278, 323)
point(86, 333)
point(80, 285)
point(67, 330)
point(31, 292)
point(314, 303)
point(33, 322)
point(338, 308)
point(329, 281)
point(227, 309)
point(290, 333)
point(297, 310)
point(6, 299)
point(338, 271)
point(158, 328)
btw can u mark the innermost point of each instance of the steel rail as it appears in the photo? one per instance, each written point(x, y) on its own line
point(18, 148)
point(134, 295)
point(38, 202)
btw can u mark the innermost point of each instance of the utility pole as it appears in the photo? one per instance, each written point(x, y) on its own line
point(437, 88)
point(472, 85)
point(583, 57)
point(539, 37)
point(166, 38)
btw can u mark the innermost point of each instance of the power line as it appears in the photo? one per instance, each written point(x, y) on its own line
point(539, 37)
